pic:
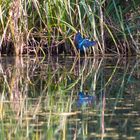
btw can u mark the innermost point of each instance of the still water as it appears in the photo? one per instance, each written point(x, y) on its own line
point(68, 98)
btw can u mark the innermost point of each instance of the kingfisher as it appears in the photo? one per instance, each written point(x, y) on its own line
point(83, 43)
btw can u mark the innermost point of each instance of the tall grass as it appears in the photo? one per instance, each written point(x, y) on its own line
point(28, 25)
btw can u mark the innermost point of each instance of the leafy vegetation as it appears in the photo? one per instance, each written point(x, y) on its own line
point(49, 26)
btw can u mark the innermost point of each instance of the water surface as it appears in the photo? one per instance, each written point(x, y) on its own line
point(40, 98)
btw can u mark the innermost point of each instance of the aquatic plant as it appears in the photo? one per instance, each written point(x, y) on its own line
point(32, 26)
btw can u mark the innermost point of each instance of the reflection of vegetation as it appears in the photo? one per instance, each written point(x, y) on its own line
point(38, 99)
point(52, 24)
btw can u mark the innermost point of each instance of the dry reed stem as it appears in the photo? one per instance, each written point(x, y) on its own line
point(14, 16)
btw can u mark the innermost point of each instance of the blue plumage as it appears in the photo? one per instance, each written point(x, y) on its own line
point(82, 43)
point(85, 100)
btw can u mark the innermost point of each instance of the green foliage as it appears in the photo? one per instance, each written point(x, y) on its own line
point(107, 21)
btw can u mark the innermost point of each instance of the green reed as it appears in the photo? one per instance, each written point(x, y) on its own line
point(24, 23)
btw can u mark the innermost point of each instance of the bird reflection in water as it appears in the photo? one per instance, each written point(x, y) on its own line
point(85, 99)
